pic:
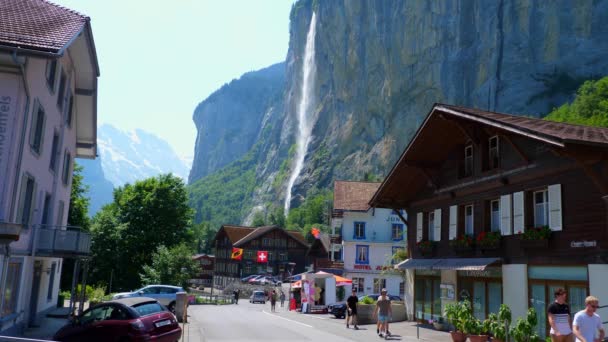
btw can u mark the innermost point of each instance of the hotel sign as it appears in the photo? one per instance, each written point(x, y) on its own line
point(9, 91)
point(583, 244)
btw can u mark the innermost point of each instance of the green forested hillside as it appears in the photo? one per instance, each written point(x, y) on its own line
point(590, 107)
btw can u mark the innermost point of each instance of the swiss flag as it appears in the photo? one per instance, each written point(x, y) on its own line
point(262, 256)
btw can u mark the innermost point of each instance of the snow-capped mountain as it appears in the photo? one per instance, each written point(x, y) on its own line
point(135, 155)
point(125, 157)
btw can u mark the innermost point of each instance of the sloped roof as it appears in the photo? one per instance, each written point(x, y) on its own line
point(239, 235)
point(236, 233)
point(256, 233)
point(38, 25)
point(298, 236)
point(353, 196)
point(200, 256)
point(559, 133)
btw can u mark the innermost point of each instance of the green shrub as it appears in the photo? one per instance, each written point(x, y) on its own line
point(367, 300)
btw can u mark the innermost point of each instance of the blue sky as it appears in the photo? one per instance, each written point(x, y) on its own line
point(160, 58)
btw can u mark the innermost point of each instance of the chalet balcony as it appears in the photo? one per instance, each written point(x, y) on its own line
point(53, 241)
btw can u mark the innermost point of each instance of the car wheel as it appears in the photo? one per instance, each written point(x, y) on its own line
point(171, 307)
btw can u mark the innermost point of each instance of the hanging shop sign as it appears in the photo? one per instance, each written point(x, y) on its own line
point(583, 244)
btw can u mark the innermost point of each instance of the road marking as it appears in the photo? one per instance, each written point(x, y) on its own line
point(310, 316)
point(287, 319)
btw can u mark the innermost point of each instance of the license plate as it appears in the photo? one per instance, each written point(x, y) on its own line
point(162, 323)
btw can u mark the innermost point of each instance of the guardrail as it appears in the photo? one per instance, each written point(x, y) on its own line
point(57, 241)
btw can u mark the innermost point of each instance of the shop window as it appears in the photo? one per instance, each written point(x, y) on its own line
point(397, 232)
point(11, 290)
point(495, 215)
point(359, 284)
point(359, 232)
point(431, 226)
point(494, 153)
point(427, 298)
point(362, 255)
point(541, 208)
point(468, 220)
point(468, 161)
point(379, 284)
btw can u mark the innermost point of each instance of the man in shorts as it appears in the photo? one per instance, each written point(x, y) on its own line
point(384, 312)
point(559, 318)
point(351, 308)
point(587, 322)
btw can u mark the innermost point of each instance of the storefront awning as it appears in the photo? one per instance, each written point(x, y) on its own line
point(461, 264)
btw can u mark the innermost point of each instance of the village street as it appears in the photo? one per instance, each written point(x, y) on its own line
point(255, 322)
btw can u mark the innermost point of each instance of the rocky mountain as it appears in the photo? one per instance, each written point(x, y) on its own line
point(380, 65)
point(125, 157)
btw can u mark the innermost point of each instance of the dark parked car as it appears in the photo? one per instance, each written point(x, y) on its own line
point(126, 319)
point(339, 309)
point(376, 295)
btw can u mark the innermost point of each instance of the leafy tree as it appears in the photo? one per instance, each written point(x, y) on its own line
point(78, 213)
point(590, 107)
point(277, 217)
point(315, 210)
point(259, 219)
point(170, 266)
point(202, 236)
point(107, 259)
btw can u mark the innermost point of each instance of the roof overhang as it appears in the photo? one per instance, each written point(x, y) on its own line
point(459, 264)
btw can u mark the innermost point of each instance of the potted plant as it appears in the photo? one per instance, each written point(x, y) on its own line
point(462, 243)
point(459, 314)
point(478, 330)
point(537, 237)
point(488, 240)
point(525, 328)
point(425, 247)
point(499, 323)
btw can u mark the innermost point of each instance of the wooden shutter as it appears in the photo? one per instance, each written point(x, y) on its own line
point(419, 217)
point(437, 225)
point(505, 215)
point(555, 207)
point(453, 222)
point(519, 218)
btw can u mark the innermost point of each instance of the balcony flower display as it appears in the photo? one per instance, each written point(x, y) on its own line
point(536, 233)
point(425, 246)
point(488, 240)
point(463, 241)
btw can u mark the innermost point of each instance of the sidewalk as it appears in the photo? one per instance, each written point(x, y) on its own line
point(406, 331)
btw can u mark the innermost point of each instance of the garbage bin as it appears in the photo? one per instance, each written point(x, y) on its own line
point(60, 300)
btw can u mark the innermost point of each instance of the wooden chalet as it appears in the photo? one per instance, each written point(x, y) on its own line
point(286, 252)
point(481, 189)
point(206, 264)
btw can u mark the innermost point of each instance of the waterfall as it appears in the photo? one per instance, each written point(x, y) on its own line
point(305, 110)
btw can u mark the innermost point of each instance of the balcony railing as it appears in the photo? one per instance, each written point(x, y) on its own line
point(53, 241)
point(328, 264)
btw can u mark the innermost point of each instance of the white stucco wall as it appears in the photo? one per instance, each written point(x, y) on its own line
point(598, 279)
point(515, 288)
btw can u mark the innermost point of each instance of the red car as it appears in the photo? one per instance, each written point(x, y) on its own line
point(121, 320)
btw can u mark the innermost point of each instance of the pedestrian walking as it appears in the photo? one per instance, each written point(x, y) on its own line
point(560, 319)
point(273, 301)
point(236, 294)
point(587, 323)
point(383, 312)
point(351, 308)
point(282, 298)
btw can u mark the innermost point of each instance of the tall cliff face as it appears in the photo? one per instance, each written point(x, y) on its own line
point(229, 121)
point(381, 65)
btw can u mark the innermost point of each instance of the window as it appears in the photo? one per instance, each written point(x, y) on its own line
point(266, 242)
point(494, 156)
point(37, 130)
point(431, 226)
point(51, 73)
point(379, 284)
point(249, 254)
point(26, 200)
point(11, 291)
point(397, 232)
point(247, 269)
point(270, 256)
point(49, 295)
point(67, 163)
point(359, 284)
point(45, 210)
point(61, 93)
point(55, 147)
point(401, 288)
point(495, 215)
point(69, 114)
point(468, 160)
point(60, 209)
point(362, 255)
point(282, 256)
point(148, 308)
point(541, 208)
point(468, 220)
point(359, 230)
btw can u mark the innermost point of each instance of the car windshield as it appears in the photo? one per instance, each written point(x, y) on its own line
point(148, 308)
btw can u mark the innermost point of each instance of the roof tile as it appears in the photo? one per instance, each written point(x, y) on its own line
point(353, 195)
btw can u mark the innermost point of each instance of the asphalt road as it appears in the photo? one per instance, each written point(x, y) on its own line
point(255, 322)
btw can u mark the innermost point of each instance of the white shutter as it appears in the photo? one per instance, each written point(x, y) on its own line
point(437, 227)
point(419, 227)
point(453, 222)
point(505, 215)
point(555, 207)
point(518, 212)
